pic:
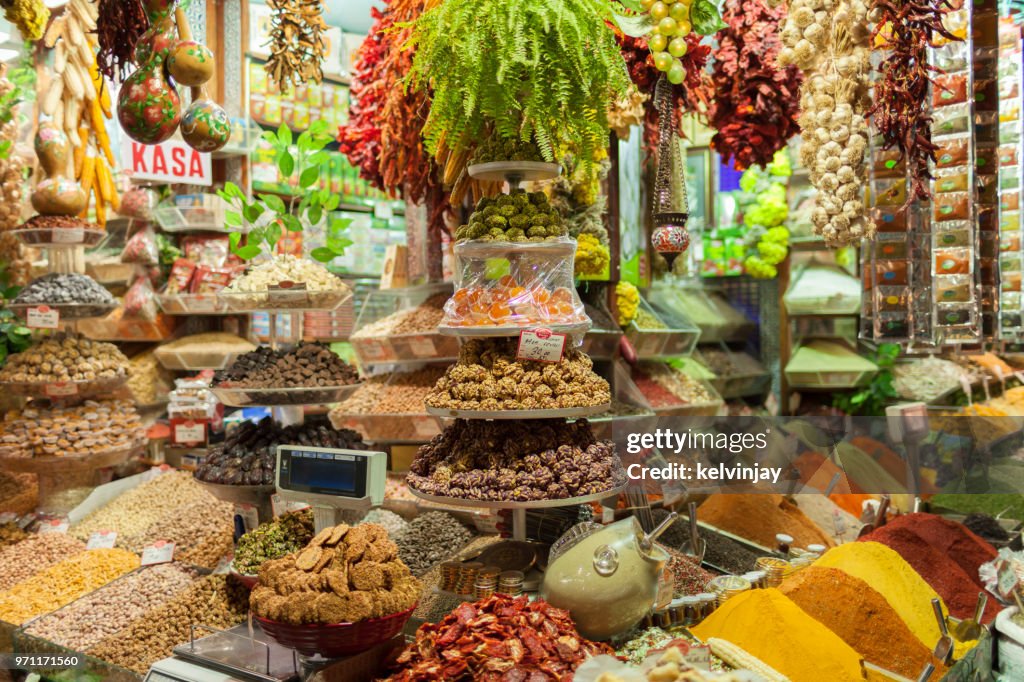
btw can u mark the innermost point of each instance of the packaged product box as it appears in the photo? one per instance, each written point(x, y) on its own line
point(272, 110)
point(341, 103)
point(315, 95)
point(337, 169)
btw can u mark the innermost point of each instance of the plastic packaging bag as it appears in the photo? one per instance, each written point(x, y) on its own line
point(140, 301)
point(142, 248)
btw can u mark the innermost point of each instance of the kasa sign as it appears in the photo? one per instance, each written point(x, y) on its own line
point(172, 162)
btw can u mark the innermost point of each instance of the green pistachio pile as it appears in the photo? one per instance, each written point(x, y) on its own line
point(506, 149)
point(517, 217)
point(273, 540)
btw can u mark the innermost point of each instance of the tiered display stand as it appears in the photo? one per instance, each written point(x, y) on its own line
point(521, 257)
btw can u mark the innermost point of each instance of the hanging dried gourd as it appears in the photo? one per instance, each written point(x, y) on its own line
point(296, 42)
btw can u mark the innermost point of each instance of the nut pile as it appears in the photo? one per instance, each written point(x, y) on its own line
point(539, 459)
point(217, 601)
point(322, 287)
point(399, 393)
point(25, 559)
point(430, 539)
point(664, 387)
point(249, 453)
point(90, 428)
point(19, 493)
point(64, 582)
point(345, 575)
point(534, 640)
point(202, 532)
point(110, 609)
point(828, 40)
point(63, 289)
point(517, 217)
point(392, 522)
point(423, 318)
point(488, 377)
point(43, 226)
point(11, 534)
point(147, 381)
point(305, 365)
point(62, 358)
point(140, 513)
point(273, 540)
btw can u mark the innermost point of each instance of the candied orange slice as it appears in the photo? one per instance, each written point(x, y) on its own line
point(500, 295)
point(478, 308)
point(499, 312)
point(541, 295)
point(517, 294)
point(507, 281)
point(561, 295)
point(566, 309)
point(461, 294)
point(474, 295)
point(461, 310)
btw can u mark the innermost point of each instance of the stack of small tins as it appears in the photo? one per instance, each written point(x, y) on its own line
point(1011, 138)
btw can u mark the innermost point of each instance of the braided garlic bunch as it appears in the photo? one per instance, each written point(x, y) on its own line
point(828, 40)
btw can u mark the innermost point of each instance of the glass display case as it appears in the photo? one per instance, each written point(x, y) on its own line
point(399, 326)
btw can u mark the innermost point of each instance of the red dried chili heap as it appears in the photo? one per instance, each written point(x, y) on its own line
point(754, 103)
point(497, 640)
point(946, 554)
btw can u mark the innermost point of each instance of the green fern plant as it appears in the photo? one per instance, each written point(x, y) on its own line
point(540, 70)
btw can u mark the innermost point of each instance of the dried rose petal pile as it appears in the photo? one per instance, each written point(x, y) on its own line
point(498, 639)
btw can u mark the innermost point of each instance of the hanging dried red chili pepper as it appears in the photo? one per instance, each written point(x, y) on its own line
point(754, 103)
point(118, 26)
point(901, 112)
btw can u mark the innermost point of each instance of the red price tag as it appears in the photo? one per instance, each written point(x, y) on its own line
point(160, 552)
point(42, 317)
point(54, 526)
point(541, 345)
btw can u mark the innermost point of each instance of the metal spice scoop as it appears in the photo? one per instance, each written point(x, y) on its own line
point(944, 649)
point(879, 521)
point(697, 544)
point(966, 630)
point(926, 673)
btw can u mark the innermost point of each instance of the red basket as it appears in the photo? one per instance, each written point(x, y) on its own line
point(338, 639)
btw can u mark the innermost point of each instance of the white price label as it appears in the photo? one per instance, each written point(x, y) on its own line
point(373, 350)
point(102, 539)
point(60, 389)
point(190, 432)
point(160, 552)
point(699, 656)
point(8, 517)
point(422, 347)
point(68, 235)
point(541, 345)
point(54, 526)
point(42, 317)
point(249, 513)
point(287, 293)
point(283, 506)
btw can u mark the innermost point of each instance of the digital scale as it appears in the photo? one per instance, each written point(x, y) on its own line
point(330, 481)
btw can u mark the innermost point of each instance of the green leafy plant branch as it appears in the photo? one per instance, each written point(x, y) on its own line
point(544, 71)
point(304, 160)
point(14, 335)
point(872, 399)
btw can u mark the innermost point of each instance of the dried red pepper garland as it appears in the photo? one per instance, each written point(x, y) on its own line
point(497, 639)
point(690, 96)
point(754, 104)
point(119, 24)
point(900, 111)
point(359, 140)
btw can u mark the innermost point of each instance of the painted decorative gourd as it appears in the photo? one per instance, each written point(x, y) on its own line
point(148, 107)
point(56, 194)
point(191, 63)
point(205, 125)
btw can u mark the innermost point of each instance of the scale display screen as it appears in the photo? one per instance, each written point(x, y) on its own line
point(324, 473)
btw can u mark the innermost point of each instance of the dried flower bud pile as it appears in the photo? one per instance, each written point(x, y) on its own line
point(517, 217)
point(498, 637)
point(488, 377)
point(827, 40)
point(516, 460)
point(273, 540)
point(344, 575)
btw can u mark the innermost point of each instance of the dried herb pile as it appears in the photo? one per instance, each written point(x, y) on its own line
point(754, 103)
point(901, 115)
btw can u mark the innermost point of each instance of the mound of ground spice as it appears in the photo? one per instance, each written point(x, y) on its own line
point(896, 580)
point(865, 620)
point(771, 627)
point(957, 589)
point(953, 539)
point(760, 517)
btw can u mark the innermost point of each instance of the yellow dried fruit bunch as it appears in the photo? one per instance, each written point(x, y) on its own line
point(30, 16)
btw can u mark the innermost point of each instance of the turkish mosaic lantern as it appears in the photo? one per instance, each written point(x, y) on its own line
point(671, 207)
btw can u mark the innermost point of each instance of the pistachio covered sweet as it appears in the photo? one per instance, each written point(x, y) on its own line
point(517, 217)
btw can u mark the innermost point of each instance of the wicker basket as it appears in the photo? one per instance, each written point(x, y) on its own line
point(336, 640)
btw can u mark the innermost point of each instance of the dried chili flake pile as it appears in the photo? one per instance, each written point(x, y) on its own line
point(754, 104)
point(495, 640)
point(900, 113)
